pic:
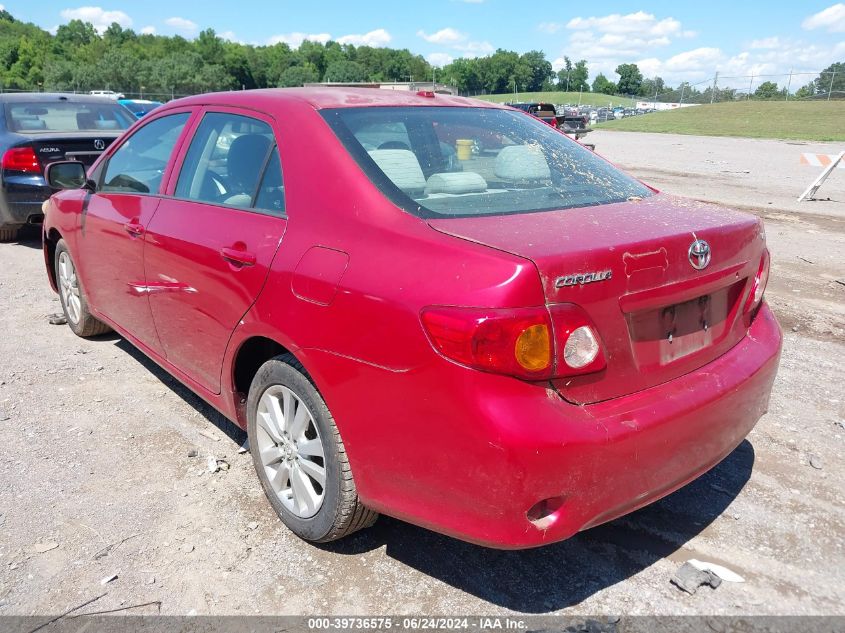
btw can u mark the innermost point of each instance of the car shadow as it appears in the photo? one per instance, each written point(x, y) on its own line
point(212, 415)
point(563, 574)
point(539, 580)
point(30, 236)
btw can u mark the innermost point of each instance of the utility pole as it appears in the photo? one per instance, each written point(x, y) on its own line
point(580, 90)
point(567, 79)
point(830, 88)
point(683, 87)
point(750, 84)
point(713, 92)
point(788, 84)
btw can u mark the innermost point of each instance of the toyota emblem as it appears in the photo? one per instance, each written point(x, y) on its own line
point(699, 254)
point(99, 144)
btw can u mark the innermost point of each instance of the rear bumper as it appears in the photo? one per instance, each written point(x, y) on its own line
point(21, 199)
point(509, 445)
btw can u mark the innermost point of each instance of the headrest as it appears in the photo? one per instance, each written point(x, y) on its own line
point(456, 182)
point(522, 162)
point(30, 124)
point(401, 166)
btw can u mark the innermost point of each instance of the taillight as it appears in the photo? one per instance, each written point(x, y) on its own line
point(21, 159)
point(758, 285)
point(531, 343)
point(579, 349)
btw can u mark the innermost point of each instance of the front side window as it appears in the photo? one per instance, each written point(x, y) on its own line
point(476, 161)
point(233, 160)
point(138, 164)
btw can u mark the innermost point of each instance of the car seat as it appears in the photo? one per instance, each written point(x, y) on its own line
point(243, 163)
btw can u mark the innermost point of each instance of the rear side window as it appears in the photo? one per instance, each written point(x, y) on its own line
point(66, 116)
point(449, 161)
point(138, 164)
point(233, 160)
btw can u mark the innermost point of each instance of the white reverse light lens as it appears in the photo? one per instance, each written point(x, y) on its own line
point(762, 280)
point(581, 348)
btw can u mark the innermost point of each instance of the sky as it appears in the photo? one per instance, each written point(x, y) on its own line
point(679, 41)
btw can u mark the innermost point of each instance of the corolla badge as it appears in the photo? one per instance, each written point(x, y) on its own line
point(579, 279)
point(699, 254)
point(99, 144)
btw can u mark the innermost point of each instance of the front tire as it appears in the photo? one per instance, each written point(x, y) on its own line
point(74, 302)
point(299, 455)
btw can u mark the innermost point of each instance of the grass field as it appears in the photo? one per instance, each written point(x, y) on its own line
point(793, 120)
point(560, 97)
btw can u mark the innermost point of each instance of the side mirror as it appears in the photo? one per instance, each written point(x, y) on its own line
point(66, 174)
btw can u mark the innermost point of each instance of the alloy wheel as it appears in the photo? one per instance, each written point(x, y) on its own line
point(69, 288)
point(291, 451)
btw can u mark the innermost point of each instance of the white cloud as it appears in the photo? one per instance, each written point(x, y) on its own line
point(443, 36)
point(831, 19)
point(698, 66)
point(148, 30)
point(550, 27)
point(457, 40)
point(183, 25)
point(610, 40)
point(99, 17)
point(295, 39)
point(377, 38)
point(473, 49)
point(766, 42)
point(439, 59)
point(229, 36)
point(640, 23)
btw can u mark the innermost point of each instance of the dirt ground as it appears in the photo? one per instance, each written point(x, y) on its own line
point(96, 478)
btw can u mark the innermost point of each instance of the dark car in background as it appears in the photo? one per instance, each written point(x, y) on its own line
point(570, 122)
point(37, 129)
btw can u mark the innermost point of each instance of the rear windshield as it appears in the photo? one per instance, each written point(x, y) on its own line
point(449, 161)
point(66, 116)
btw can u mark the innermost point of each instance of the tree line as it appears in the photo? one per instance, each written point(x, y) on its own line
point(78, 58)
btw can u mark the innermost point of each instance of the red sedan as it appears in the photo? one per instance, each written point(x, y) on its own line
point(421, 305)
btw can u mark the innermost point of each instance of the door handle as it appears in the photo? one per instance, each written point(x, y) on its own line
point(134, 229)
point(239, 258)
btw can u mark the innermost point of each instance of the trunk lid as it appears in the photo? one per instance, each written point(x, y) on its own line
point(84, 147)
point(628, 266)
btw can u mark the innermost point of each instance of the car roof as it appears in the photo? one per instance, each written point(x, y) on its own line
point(47, 97)
point(329, 98)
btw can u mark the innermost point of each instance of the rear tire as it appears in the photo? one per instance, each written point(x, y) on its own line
point(72, 296)
point(8, 235)
point(299, 455)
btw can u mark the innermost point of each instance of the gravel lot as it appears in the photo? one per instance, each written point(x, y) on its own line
point(96, 477)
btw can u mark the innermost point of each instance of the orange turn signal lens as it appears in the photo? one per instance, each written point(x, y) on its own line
point(533, 349)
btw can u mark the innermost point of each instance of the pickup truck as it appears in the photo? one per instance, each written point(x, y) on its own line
point(571, 123)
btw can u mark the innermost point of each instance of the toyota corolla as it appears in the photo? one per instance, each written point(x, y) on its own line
point(421, 305)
